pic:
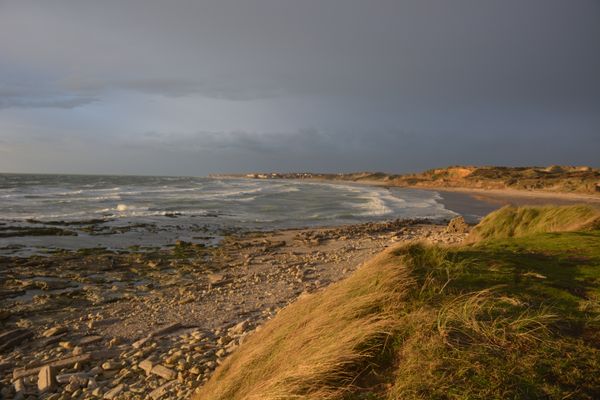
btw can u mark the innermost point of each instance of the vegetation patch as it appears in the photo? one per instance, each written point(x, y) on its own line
point(18, 231)
point(523, 221)
point(317, 347)
point(516, 315)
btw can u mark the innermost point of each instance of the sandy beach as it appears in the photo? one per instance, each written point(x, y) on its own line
point(473, 203)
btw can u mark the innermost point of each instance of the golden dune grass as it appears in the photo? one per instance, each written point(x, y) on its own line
point(316, 347)
point(444, 339)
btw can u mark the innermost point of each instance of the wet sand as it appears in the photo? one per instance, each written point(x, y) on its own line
point(474, 204)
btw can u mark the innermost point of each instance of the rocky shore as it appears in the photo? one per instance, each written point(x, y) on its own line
point(95, 324)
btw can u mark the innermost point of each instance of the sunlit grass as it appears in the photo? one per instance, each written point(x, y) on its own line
point(516, 315)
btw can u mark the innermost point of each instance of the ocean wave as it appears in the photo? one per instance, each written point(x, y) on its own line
point(237, 201)
point(231, 193)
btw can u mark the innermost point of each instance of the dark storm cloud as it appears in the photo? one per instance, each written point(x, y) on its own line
point(397, 150)
point(346, 83)
point(421, 50)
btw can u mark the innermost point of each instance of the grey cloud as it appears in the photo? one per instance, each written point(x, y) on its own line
point(171, 87)
point(73, 92)
point(386, 84)
point(40, 95)
point(427, 52)
point(388, 150)
point(255, 142)
point(65, 102)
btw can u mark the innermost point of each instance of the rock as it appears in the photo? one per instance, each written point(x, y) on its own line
point(92, 384)
point(56, 330)
point(60, 363)
point(239, 328)
point(66, 345)
point(146, 365)
point(43, 342)
point(139, 343)
point(162, 390)
point(87, 340)
point(218, 280)
point(14, 338)
point(114, 392)
point(19, 385)
point(174, 357)
point(166, 329)
point(72, 387)
point(164, 372)
point(66, 378)
point(221, 353)
point(223, 340)
point(46, 379)
point(457, 225)
point(79, 380)
point(110, 365)
point(195, 371)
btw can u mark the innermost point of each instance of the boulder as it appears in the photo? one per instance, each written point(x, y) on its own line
point(46, 379)
point(457, 225)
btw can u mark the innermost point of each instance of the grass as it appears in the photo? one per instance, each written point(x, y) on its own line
point(318, 346)
point(513, 315)
point(521, 320)
point(522, 221)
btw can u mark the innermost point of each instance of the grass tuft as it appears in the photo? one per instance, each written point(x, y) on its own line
point(318, 347)
point(521, 221)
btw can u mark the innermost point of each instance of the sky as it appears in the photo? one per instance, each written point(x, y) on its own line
point(215, 86)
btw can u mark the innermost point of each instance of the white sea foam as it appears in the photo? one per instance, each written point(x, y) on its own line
point(229, 193)
point(236, 201)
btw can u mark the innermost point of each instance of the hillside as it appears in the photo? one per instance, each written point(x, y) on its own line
point(565, 179)
point(515, 314)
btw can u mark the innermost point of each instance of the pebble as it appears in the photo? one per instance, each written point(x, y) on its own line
point(114, 392)
point(110, 365)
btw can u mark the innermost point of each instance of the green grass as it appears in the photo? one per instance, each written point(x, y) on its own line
point(520, 318)
point(515, 315)
point(522, 221)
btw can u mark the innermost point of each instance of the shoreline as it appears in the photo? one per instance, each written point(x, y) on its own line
point(514, 196)
point(492, 193)
point(158, 323)
point(493, 196)
point(183, 309)
point(471, 203)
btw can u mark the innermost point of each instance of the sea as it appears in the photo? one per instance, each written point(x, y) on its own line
point(121, 212)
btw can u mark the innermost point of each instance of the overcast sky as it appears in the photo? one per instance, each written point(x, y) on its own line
point(197, 87)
